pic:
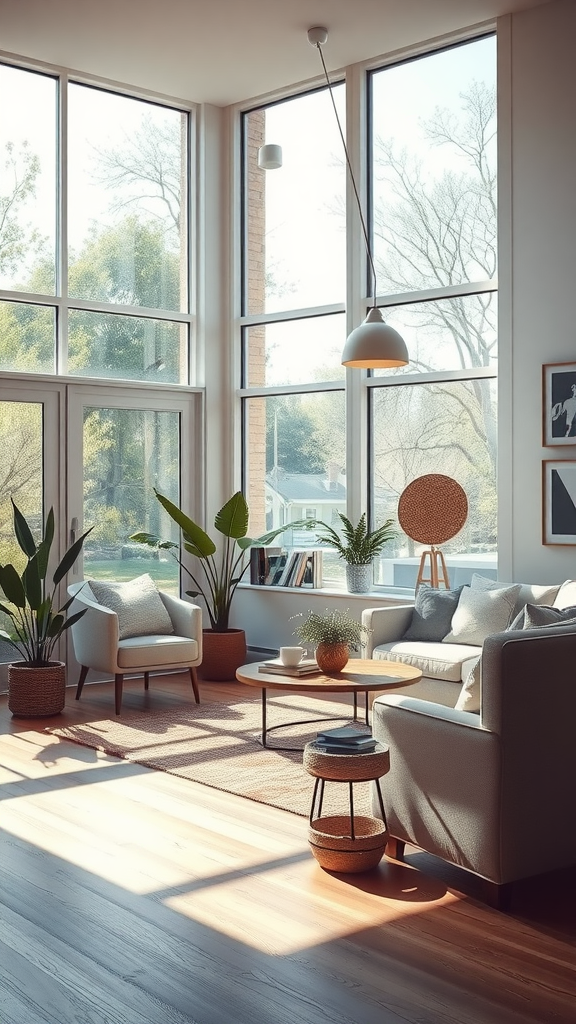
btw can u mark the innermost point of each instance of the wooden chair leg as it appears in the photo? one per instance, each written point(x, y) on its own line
point(81, 680)
point(194, 679)
point(118, 680)
point(146, 680)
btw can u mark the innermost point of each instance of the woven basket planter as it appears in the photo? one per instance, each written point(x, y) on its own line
point(36, 691)
point(222, 654)
point(332, 657)
point(335, 850)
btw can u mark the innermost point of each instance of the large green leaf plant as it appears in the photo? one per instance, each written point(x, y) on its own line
point(30, 602)
point(224, 569)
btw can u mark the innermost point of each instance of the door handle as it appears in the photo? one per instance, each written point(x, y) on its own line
point(73, 529)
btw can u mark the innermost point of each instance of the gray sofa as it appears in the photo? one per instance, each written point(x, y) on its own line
point(491, 791)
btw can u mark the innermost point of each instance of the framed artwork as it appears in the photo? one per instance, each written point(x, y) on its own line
point(559, 403)
point(559, 502)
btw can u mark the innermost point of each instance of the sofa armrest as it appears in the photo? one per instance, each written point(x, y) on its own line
point(385, 625)
point(442, 792)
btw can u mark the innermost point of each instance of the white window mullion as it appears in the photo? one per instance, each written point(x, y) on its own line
point(62, 234)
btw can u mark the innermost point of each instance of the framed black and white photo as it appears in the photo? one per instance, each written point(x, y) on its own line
point(559, 403)
point(559, 502)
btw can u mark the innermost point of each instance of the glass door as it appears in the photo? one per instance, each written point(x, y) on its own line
point(122, 448)
point(31, 446)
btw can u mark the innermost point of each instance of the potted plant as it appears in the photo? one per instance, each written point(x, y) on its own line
point(334, 635)
point(222, 572)
point(358, 547)
point(36, 683)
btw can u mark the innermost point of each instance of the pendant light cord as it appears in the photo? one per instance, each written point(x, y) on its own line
point(361, 215)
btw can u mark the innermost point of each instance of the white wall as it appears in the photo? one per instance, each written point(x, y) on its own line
point(537, 277)
point(543, 268)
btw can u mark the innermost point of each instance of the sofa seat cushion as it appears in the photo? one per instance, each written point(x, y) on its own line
point(435, 660)
point(160, 649)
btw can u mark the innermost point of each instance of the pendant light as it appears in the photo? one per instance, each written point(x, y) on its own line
point(372, 345)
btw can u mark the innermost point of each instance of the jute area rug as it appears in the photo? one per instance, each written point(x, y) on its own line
point(217, 745)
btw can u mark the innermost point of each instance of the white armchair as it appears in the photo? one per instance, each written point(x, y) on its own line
point(97, 644)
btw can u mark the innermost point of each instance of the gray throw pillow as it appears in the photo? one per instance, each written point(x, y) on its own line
point(534, 615)
point(137, 604)
point(432, 615)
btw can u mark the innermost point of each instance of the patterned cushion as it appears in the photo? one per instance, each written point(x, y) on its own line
point(137, 604)
point(432, 615)
point(480, 613)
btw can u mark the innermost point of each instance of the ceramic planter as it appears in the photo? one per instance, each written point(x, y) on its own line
point(359, 578)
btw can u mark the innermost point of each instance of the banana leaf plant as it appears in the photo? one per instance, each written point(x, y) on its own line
point(37, 622)
point(222, 570)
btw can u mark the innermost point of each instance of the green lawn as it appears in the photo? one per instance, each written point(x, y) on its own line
point(165, 573)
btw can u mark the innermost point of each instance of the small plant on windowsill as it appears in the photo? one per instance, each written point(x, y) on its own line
point(334, 635)
point(358, 547)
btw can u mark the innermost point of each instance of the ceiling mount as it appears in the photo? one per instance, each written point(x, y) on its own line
point(317, 35)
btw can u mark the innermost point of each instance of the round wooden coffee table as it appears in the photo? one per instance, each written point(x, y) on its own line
point(360, 675)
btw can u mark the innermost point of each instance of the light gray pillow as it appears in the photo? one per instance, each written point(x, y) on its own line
point(469, 696)
point(137, 604)
point(480, 613)
point(566, 594)
point(432, 615)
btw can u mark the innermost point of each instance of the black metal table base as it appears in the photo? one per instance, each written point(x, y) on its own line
point(266, 729)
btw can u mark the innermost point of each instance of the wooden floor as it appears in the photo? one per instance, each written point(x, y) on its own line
point(130, 896)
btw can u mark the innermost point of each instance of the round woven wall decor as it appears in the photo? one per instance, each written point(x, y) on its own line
point(432, 509)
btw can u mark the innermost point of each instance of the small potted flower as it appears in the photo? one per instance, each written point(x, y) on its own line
point(334, 635)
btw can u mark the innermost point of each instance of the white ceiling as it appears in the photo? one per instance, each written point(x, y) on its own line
point(225, 51)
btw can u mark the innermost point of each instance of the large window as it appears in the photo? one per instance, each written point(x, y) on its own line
point(433, 174)
point(94, 266)
point(429, 148)
point(294, 325)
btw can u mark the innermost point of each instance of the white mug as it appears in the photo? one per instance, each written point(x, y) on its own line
point(291, 656)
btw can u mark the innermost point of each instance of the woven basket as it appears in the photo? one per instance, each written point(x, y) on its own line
point(346, 767)
point(36, 691)
point(335, 850)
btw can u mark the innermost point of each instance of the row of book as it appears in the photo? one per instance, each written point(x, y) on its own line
point(275, 567)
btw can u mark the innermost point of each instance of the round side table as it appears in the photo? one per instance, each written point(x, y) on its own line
point(340, 842)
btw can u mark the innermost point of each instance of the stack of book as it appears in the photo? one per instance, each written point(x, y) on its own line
point(304, 668)
point(345, 740)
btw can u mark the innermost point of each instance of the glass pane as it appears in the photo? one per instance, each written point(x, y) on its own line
point(21, 479)
point(434, 169)
point(128, 453)
point(27, 181)
point(436, 428)
point(295, 463)
point(450, 334)
point(295, 351)
point(27, 337)
point(294, 246)
point(127, 347)
point(127, 200)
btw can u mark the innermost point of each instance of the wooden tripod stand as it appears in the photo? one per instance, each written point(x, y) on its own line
point(438, 570)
